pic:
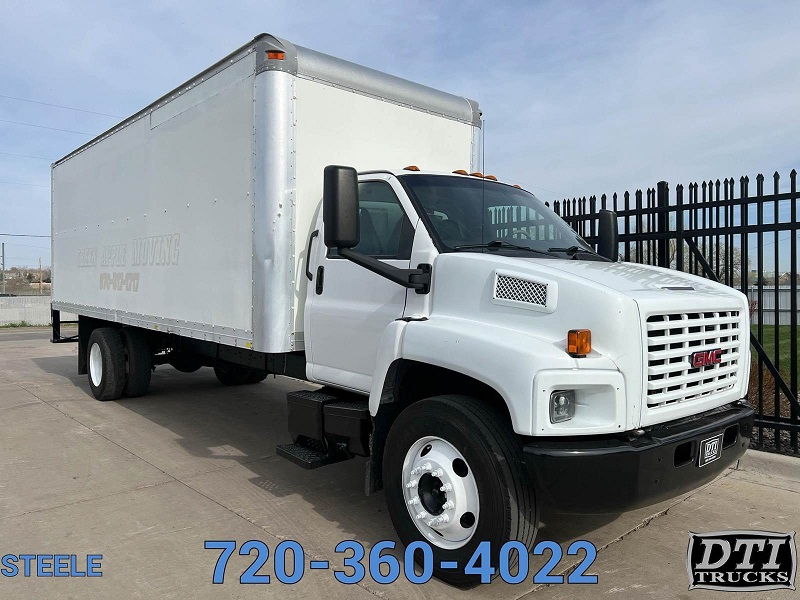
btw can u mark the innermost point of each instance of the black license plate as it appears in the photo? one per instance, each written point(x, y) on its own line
point(710, 450)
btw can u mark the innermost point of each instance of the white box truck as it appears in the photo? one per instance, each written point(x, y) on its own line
point(483, 356)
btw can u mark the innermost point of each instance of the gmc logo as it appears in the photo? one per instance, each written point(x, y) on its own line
point(705, 358)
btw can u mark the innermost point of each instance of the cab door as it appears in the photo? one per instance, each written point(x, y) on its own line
point(347, 306)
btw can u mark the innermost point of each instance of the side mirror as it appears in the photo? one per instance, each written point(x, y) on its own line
point(340, 206)
point(608, 234)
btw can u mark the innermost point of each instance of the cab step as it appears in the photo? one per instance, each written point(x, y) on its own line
point(326, 426)
point(309, 454)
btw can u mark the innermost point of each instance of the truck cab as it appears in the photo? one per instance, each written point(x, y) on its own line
point(455, 301)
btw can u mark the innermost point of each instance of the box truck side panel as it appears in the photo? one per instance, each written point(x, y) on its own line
point(152, 224)
point(339, 126)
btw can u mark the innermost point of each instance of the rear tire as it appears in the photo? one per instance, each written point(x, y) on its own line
point(106, 363)
point(256, 376)
point(230, 374)
point(140, 362)
point(185, 362)
point(460, 446)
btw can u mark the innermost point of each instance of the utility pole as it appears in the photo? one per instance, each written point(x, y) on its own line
point(40, 275)
point(3, 265)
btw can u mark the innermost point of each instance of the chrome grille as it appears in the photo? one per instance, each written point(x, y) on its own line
point(673, 338)
point(520, 290)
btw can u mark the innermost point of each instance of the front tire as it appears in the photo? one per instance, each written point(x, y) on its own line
point(454, 476)
point(106, 363)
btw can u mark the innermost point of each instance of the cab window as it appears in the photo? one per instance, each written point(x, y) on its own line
point(385, 230)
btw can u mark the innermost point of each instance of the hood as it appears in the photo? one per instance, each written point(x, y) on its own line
point(641, 281)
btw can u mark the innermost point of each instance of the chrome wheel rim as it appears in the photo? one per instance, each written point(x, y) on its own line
point(96, 364)
point(440, 492)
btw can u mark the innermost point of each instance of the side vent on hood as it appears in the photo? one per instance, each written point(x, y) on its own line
point(522, 292)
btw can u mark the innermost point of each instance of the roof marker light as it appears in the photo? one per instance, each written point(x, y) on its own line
point(411, 168)
point(477, 174)
point(460, 172)
point(492, 177)
point(276, 55)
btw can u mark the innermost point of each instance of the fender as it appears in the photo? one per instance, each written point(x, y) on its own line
point(504, 359)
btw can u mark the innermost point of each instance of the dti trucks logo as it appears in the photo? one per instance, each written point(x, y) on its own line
point(742, 561)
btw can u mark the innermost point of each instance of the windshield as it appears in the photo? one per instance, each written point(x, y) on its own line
point(469, 214)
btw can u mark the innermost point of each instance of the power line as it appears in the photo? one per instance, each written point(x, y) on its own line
point(22, 183)
point(83, 110)
point(44, 127)
point(24, 235)
point(26, 156)
point(28, 245)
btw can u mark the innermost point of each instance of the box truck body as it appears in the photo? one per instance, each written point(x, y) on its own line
point(191, 216)
point(286, 212)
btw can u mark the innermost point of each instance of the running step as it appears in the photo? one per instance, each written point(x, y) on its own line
point(308, 457)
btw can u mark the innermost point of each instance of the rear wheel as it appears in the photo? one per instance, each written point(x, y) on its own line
point(106, 363)
point(256, 376)
point(139, 361)
point(185, 362)
point(454, 476)
point(230, 374)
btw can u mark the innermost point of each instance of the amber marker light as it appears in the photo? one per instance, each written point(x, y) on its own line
point(276, 55)
point(579, 342)
point(411, 168)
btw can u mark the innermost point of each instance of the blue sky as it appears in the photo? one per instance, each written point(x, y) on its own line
point(579, 97)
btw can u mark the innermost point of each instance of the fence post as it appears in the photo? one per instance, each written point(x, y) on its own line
point(662, 201)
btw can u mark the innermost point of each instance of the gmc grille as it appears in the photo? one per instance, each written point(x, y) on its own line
point(673, 338)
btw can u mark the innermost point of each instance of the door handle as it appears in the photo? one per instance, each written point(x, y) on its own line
point(314, 234)
point(320, 279)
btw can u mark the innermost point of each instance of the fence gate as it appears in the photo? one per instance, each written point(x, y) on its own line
point(744, 240)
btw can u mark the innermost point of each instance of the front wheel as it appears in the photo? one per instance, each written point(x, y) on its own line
point(454, 477)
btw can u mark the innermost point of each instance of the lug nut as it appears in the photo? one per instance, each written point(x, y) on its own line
point(413, 483)
point(448, 505)
point(414, 501)
point(438, 521)
point(447, 487)
point(422, 515)
point(437, 473)
point(420, 468)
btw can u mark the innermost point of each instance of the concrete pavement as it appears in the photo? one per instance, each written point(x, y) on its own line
point(145, 481)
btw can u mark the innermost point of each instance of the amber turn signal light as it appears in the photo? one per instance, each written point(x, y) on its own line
point(579, 342)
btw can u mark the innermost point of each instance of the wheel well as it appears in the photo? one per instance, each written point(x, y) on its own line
point(409, 381)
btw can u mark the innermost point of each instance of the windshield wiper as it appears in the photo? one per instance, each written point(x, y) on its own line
point(497, 244)
point(573, 250)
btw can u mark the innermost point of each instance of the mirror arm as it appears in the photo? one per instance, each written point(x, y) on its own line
point(418, 279)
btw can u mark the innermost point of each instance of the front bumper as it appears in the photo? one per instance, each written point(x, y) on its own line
point(614, 474)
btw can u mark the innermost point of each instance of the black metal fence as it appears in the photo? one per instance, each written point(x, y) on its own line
point(747, 240)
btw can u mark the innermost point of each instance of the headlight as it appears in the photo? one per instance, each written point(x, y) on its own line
point(562, 406)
